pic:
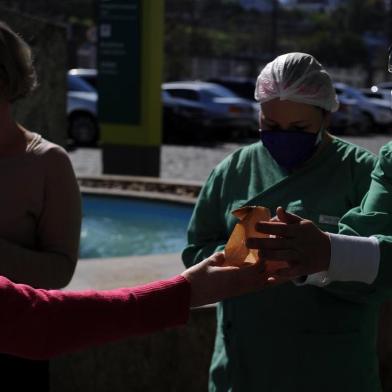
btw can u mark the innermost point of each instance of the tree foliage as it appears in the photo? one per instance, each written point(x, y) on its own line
point(56, 10)
point(337, 38)
point(222, 28)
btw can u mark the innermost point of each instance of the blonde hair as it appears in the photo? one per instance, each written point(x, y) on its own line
point(17, 74)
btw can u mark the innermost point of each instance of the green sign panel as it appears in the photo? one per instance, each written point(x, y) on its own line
point(119, 61)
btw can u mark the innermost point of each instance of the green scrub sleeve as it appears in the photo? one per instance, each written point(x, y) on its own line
point(384, 277)
point(373, 218)
point(379, 197)
point(205, 234)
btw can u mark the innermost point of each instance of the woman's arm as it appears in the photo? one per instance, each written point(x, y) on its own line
point(38, 323)
point(52, 263)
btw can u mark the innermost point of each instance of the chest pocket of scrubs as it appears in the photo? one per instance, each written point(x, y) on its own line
point(324, 220)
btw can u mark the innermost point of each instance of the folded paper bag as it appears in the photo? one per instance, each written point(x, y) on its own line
point(236, 252)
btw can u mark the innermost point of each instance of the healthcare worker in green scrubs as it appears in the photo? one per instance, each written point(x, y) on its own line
point(287, 338)
point(354, 264)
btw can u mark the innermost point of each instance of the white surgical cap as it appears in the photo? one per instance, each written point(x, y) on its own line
point(297, 77)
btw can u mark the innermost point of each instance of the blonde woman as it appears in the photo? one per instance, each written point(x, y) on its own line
point(40, 205)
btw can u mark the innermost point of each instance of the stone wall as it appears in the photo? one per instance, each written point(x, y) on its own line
point(176, 360)
point(45, 111)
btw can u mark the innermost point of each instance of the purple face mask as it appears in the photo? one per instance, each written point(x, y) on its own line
point(290, 149)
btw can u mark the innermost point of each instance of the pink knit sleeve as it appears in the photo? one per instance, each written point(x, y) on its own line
point(36, 323)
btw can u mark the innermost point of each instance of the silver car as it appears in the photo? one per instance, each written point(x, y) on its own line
point(379, 95)
point(377, 114)
point(348, 119)
point(219, 109)
point(82, 101)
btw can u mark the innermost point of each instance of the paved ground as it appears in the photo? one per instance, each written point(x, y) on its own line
point(193, 162)
point(106, 274)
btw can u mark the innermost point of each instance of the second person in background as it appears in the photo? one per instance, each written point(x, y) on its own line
point(40, 204)
point(288, 338)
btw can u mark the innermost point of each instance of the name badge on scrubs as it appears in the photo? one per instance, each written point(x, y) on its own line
point(329, 220)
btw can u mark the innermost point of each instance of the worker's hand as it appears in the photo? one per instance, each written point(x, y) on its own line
point(210, 282)
point(294, 240)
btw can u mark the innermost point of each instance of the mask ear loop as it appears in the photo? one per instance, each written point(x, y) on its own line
point(321, 131)
point(320, 135)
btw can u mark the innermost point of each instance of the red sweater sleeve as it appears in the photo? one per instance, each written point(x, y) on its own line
point(39, 324)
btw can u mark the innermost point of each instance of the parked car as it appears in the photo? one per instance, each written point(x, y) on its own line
point(377, 113)
point(219, 111)
point(82, 101)
point(379, 94)
point(182, 120)
point(348, 118)
point(90, 75)
point(385, 85)
point(243, 87)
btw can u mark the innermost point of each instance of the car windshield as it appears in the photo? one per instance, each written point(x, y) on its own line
point(349, 93)
point(385, 85)
point(373, 95)
point(244, 89)
point(218, 92)
point(90, 79)
point(78, 84)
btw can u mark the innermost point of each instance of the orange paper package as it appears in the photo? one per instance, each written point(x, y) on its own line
point(236, 252)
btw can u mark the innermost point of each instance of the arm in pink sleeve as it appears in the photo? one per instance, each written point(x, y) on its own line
point(38, 324)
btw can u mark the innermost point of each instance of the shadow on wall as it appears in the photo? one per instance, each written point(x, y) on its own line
point(45, 111)
point(176, 360)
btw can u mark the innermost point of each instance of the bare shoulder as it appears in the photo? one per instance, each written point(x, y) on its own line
point(49, 152)
point(51, 158)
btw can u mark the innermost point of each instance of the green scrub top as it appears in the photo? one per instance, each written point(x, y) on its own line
point(374, 218)
point(288, 338)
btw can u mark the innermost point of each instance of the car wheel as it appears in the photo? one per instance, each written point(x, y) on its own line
point(366, 124)
point(83, 130)
point(249, 133)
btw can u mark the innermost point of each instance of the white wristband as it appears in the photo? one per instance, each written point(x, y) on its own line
point(353, 259)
